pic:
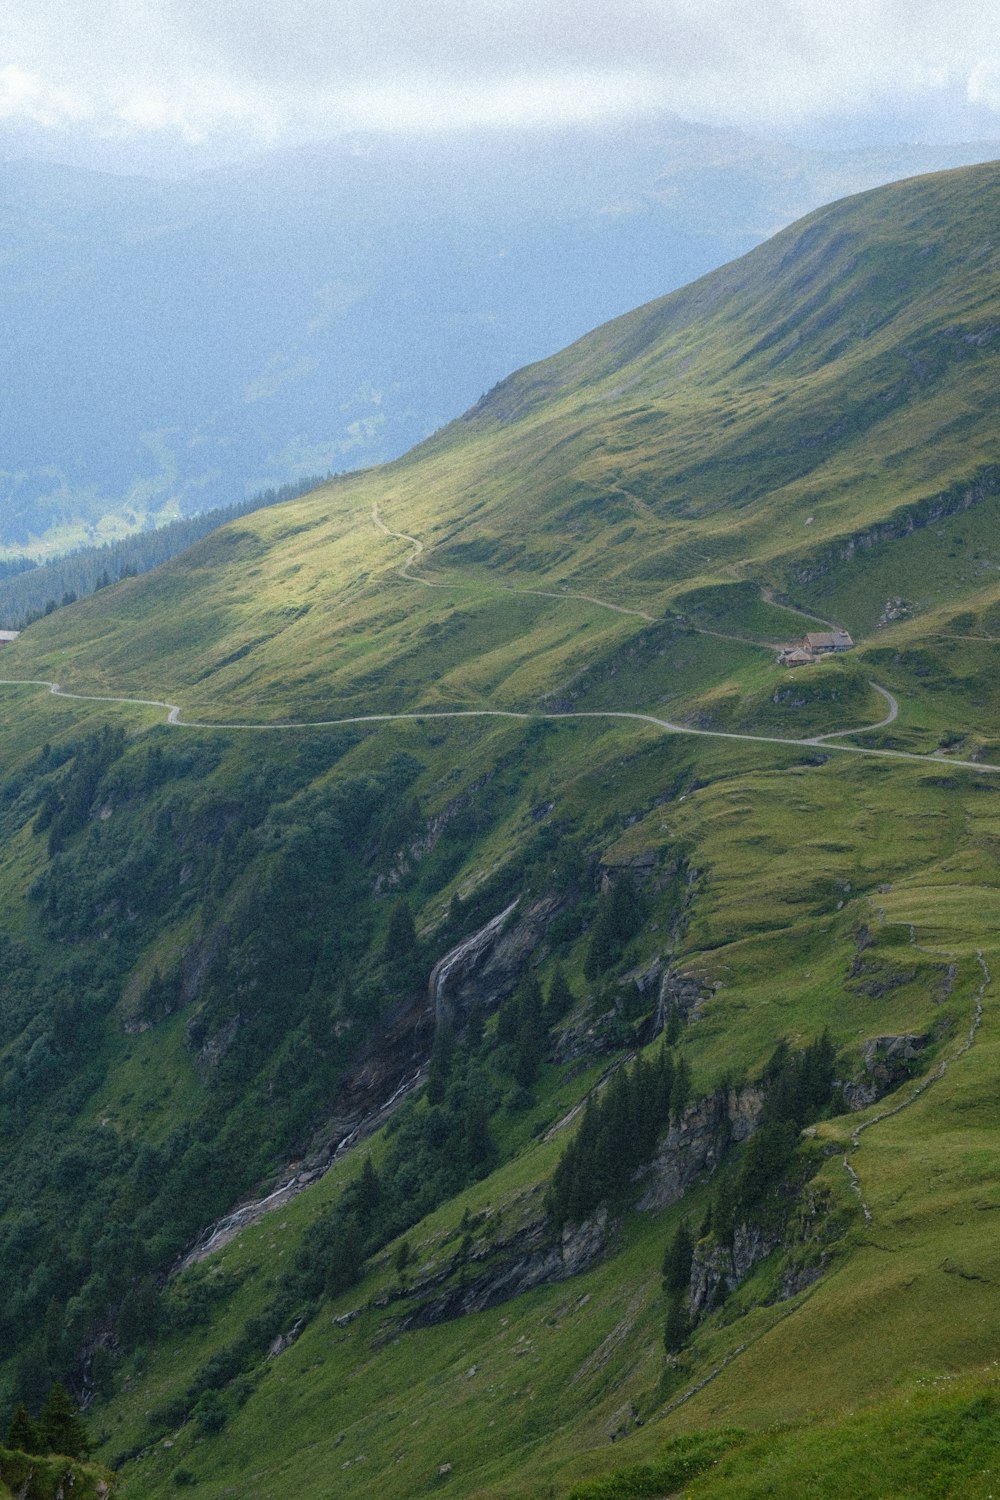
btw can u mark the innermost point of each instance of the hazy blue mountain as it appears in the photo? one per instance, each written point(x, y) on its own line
point(176, 344)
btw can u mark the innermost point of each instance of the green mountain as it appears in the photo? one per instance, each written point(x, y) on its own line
point(470, 1016)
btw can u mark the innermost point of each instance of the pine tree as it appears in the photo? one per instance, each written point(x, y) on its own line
point(560, 999)
point(474, 1029)
point(368, 1191)
point(62, 1427)
point(344, 1259)
point(442, 1056)
point(678, 1325)
point(24, 1434)
point(677, 1261)
point(681, 1091)
point(477, 1142)
point(401, 950)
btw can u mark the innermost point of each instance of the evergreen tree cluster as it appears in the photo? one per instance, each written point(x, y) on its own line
point(620, 914)
point(29, 590)
point(442, 1141)
point(58, 1429)
point(798, 1090)
point(90, 1214)
point(619, 1131)
point(678, 1259)
point(523, 1027)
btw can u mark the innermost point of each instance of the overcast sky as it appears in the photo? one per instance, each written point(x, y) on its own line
point(211, 73)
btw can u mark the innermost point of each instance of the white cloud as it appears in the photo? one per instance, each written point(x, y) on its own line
point(984, 84)
point(200, 68)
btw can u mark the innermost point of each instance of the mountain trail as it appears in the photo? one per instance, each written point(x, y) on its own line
point(418, 548)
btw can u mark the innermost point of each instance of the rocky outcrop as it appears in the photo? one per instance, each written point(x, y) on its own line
point(391, 1064)
point(533, 1257)
point(646, 867)
point(683, 994)
point(594, 1036)
point(422, 843)
point(458, 965)
point(199, 958)
point(902, 523)
point(886, 1062)
point(697, 1142)
point(718, 1268)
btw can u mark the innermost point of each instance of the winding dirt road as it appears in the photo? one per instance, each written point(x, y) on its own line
point(174, 711)
point(829, 741)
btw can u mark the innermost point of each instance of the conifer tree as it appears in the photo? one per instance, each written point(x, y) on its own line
point(677, 1261)
point(560, 999)
point(344, 1259)
point(368, 1191)
point(474, 1030)
point(681, 1091)
point(62, 1427)
point(477, 1141)
point(442, 1056)
point(402, 949)
point(24, 1434)
point(678, 1324)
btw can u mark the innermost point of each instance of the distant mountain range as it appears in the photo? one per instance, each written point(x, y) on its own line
point(170, 346)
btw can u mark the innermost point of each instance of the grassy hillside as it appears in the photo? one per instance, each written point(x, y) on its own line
point(533, 662)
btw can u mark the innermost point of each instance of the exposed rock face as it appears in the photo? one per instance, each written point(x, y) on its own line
point(458, 965)
point(643, 867)
point(718, 1269)
point(716, 1265)
point(530, 1258)
point(165, 997)
point(683, 993)
point(214, 1049)
point(198, 960)
point(594, 1036)
point(697, 1143)
point(423, 842)
point(486, 967)
point(886, 1062)
point(482, 969)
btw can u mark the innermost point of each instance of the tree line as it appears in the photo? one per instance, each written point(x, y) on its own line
point(29, 590)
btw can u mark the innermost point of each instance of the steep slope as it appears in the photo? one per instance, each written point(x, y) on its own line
point(607, 823)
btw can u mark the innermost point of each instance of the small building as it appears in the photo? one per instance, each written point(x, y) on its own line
point(795, 656)
point(819, 642)
point(6, 636)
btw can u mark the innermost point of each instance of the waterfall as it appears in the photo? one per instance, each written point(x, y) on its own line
point(464, 957)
